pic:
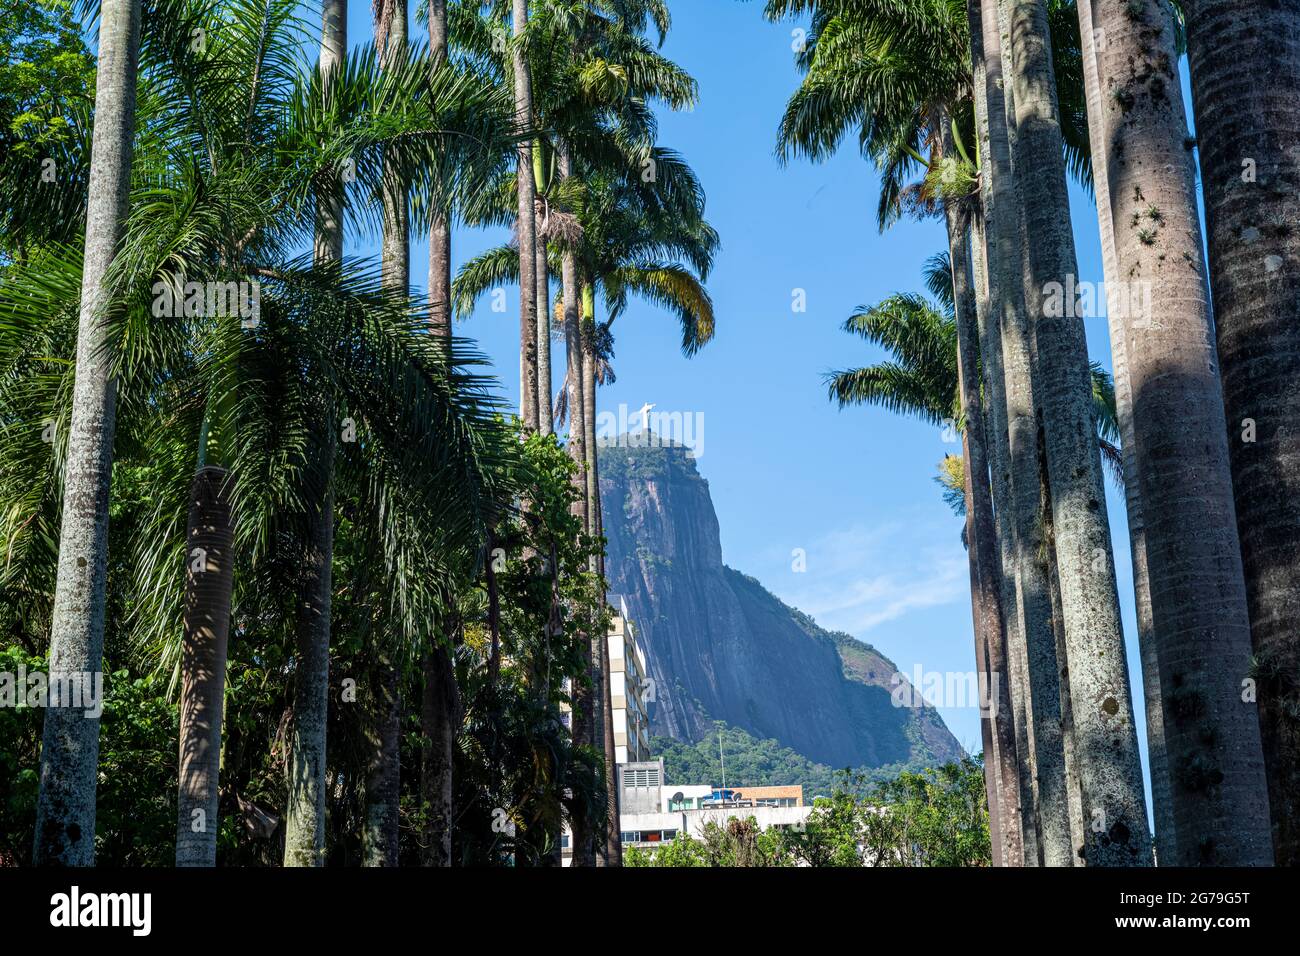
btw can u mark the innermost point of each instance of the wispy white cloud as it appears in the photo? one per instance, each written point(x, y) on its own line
point(860, 577)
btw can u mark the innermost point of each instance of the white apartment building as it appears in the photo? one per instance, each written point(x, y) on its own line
point(630, 690)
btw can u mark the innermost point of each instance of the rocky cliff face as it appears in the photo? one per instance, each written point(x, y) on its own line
point(720, 646)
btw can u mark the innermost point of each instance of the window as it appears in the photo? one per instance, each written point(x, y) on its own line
point(631, 836)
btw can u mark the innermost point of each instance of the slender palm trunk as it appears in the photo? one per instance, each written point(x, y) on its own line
point(440, 227)
point(439, 718)
point(1161, 803)
point(1245, 70)
point(383, 783)
point(527, 224)
point(982, 545)
point(1198, 593)
point(305, 822)
point(65, 809)
point(613, 847)
point(545, 407)
point(209, 549)
point(1105, 736)
point(989, 301)
point(584, 686)
point(1034, 662)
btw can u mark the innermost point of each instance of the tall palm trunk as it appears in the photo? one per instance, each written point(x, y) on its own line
point(989, 315)
point(1245, 66)
point(527, 223)
point(1198, 593)
point(209, 549)
point(383, 783)
point(440, 696)
point(982, 545)
point(583, 696)
point(65, 809)
point(1031, 647)
point(613, 846)
point(1105, 736)
point(304, 843)
point(1161, 804)
point(545, 407)
point(440, 227)
point(439, 718)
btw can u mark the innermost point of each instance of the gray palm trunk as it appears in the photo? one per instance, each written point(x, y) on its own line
point(383, 782)
point(65, 809)
point(304, 843)
point(440, 696)
point(1105, 735)
point(1245, 69)
point(545, 407)
point(526, 222)
point(1161, 805)
point(440, 226)
point(439, 718)
point(379, 840)
point(1198, 593)
point(612, 853)
point(583, 728)
point(1034, 662)
point(982, 553)
point(989, 300)
point(209, 575)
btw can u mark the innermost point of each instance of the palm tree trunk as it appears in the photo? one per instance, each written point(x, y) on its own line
point(981, 537)
point(438, 721)
point(65, 809)
point(1161, 802)
point(1106, 739)
point(527, 224)
point(304, 842)
point(545, 406)
point(613, 846)
point(305, 822)
point(384, 783)
point(1245, 68)
point(209, 549)
point(1033, 662)
point(440, 227)
point(1198, 592)
point(989, 317)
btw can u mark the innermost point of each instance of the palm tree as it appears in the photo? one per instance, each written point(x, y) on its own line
point(1105, 735)
point(874, 66)
point(65, 812)
point(1184, 473)
point(440, 220)
point(1248, 175)
point(526, 227)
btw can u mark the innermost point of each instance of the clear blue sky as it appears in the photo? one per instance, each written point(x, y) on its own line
point(786, 468)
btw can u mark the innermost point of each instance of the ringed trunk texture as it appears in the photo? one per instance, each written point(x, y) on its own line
point(304, 842)
point(440, 228)
point(396, 244)
point(439, 719)
point(545, 408)
point(1161, 804)
point(305, 822)
point(1245, 66)
point(1198, 593)
point(981, 534)
point(527, 223)
point(1110, 772)
point(384, 783)
point(989, 292)
point(1031, 648)
point(65, 809)
point(209, 576)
